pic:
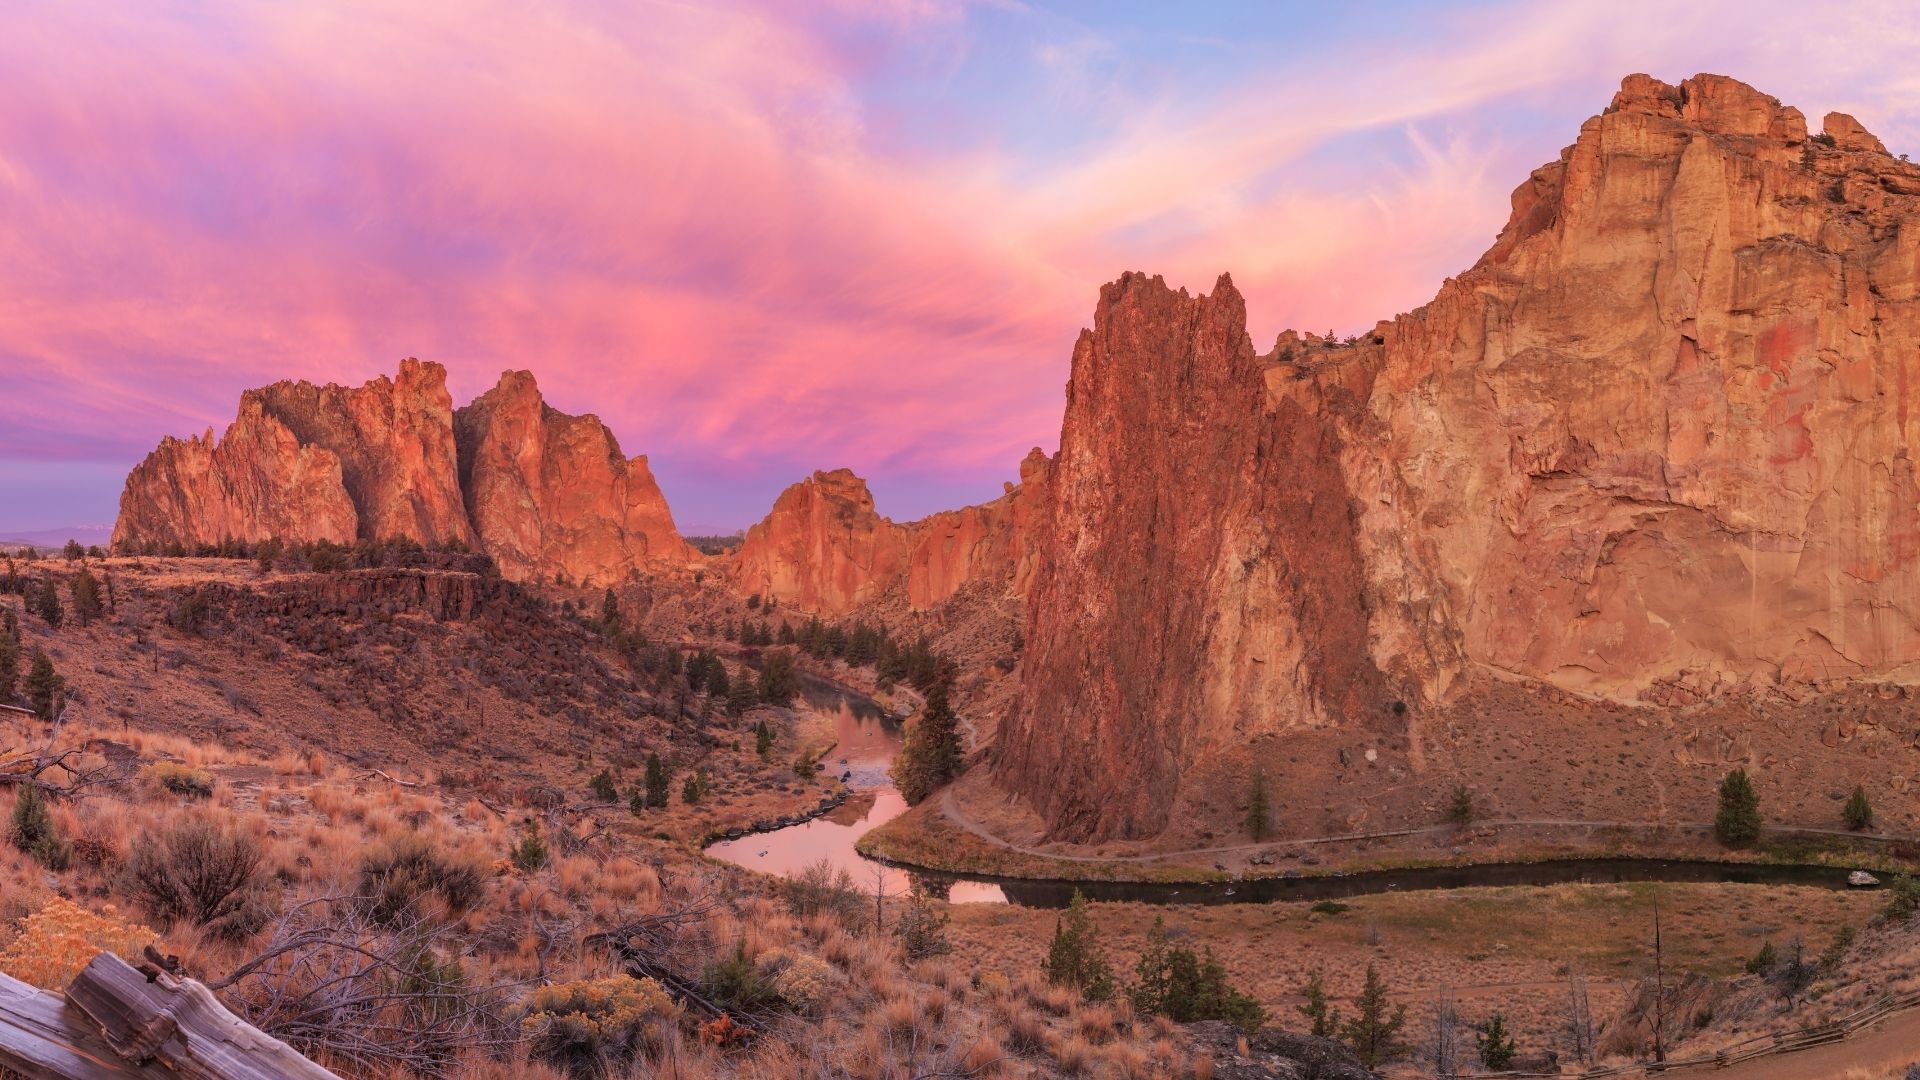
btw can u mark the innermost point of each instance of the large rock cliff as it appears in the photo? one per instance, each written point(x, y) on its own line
point(550, 493)
point(823, 547)
point(542, 492)
point(1661, 431)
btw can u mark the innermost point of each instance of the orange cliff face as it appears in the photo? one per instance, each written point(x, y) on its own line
point(544, 493)
point(1660, 432)
point(552, 494)
point(824, 549)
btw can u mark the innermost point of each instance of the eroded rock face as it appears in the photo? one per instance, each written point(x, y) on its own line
point(1662, 427)
point(542, 492)
point(550, 493)
point(823, 547)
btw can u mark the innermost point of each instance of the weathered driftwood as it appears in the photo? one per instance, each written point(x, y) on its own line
point(116, 1022)
point(44, 1038)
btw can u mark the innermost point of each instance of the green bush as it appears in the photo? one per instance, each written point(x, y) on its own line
point(31, 829)
point(1858, 813)
point(1903, 898)
point(1764, 960)
point(1075, 958)
point(1175, 982)
point(530, 853)
point(180, 778)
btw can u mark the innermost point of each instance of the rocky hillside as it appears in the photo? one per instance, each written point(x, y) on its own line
point(542, 492)
point(1657, 437)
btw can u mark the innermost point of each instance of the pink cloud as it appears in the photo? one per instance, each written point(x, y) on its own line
point(679, 216)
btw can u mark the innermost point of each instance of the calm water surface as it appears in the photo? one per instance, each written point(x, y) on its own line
point(869, 739)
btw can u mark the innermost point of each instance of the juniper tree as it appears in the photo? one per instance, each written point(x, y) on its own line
point(86, 597)
point(1075, 959)
point(1858, 813)
point(44, 601)
point(1374, 1033)
point(931, 757)
point(657, 780)
point(9, 657)
point(1258, 823)
point(44, 686)
point(1496, 1044)
point(1737, 822)
point(1324, 1018)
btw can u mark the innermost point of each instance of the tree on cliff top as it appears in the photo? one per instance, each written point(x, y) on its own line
point(932, 756)
point(1737, 823)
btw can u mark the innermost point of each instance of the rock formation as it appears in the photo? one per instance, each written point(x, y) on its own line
point(1660, 431)
point(544, 493)
point(551, 494)
point(823, 548)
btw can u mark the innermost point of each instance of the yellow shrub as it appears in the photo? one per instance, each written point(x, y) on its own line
point(63, 937)
point(802, 981)
point(577, 1023)
point(180, 779)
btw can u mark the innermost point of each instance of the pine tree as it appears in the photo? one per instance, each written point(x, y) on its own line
point(1324, 1018)
point(740, 695)
point(86, 597)
point(637, 801)
point(1184, 986)
point(1075, 958)
point(603, 786)
point(657, 781)
point(610, 612)
point(9, 657)
point(1373, 1033)
point(1258, 816)
point(73, 551)
point(44, 686)
point(1496, 1044)
point(530, 853)
point(694, 787)
point(931, 757)
point(44, 601)
point(1858, 813)
point(762, 739)
point(1737, 823)
point(779, 683)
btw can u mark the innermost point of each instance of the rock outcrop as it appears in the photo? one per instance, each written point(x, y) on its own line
point(823, 547)
point(542, 492)
point(1662, 430)
point(551, 494)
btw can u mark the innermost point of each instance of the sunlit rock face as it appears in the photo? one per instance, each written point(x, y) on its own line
point(1661, 431)
point(546, 494)
point(823, 548)
point(551, 494)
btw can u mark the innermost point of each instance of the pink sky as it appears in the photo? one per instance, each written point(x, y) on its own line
point(763, 239)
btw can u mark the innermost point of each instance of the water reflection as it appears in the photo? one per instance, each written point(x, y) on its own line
point(867, 738)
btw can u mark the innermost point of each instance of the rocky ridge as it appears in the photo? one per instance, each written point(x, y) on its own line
point(1658, 434)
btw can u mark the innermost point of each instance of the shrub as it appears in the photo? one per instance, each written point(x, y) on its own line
point(922, 928)
point(1460, 811)
point(57, 941)
point(31, 829)
point(1259, 819)
point(530, 853)
point(181, 779)
point(1495, 1044)
point(1837, 950)
point(1075, 959)
point(201, 872)
point(1903, 898)
point(821, 888)
point(603, 786)
point(1858, 813)
point(1183, 986)
point(1764, 960)
point(1737, 822)
point(397, 877)
point(1330, 907)
point(594, 1025)
point(737, 982)
point(802, 982)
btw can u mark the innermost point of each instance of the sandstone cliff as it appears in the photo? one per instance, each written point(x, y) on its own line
point(551, 494)
point(542, 492)
point(823, 547)
point(1660, 432)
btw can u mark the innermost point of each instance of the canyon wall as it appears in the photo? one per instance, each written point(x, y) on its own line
point(1661, 431)
point(823, 547)
point(542, 492)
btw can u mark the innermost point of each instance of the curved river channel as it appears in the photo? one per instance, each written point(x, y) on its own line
point(868, 739)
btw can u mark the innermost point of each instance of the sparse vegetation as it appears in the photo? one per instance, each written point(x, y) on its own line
point(203, 872)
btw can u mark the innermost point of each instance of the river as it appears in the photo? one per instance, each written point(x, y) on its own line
point(868, 738)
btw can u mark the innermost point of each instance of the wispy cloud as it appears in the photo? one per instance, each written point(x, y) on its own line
point(759, 240)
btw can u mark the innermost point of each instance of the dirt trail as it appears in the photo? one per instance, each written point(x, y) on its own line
point(1892, 1045)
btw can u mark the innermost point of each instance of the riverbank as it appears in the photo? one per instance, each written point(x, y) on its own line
point(941, 836)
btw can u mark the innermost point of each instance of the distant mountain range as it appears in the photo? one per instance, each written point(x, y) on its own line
point(55, 537)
